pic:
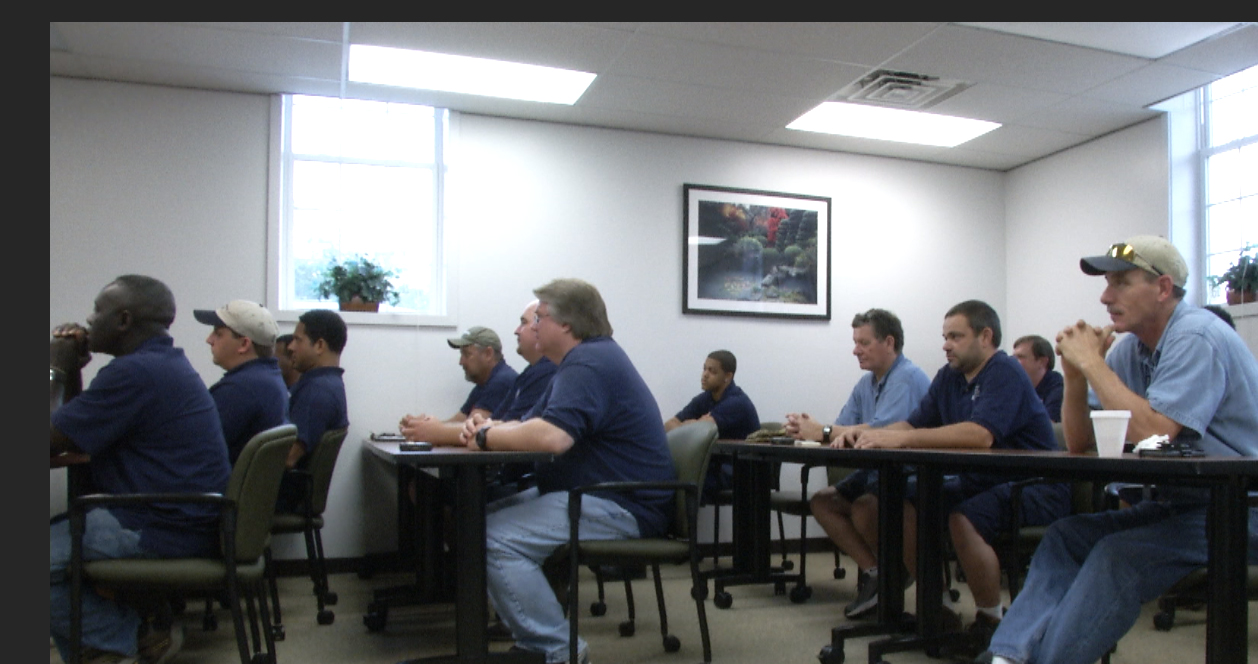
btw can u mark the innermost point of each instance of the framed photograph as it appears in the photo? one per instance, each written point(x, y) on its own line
point(756, 253)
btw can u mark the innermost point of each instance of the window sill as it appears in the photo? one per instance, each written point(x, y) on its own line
point(385, 319)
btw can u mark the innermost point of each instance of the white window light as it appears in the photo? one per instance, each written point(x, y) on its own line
point(891, 124)
point(457, 73)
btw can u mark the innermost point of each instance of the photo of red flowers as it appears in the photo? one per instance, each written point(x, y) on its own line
point(756, 253)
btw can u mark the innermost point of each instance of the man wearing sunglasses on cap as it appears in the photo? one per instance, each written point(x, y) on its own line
point(1183, 373)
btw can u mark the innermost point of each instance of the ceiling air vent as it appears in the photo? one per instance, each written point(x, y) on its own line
point(900, 89)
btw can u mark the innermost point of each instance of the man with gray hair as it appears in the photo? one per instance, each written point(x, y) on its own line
point(1037, 358)
point(602, 424)
point(888, 393)
point(480, 355)
point(252, 396)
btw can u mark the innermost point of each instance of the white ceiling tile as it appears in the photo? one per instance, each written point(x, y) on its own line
point(1150, 84)
point(1224, 55)
point(1086, 116)
point(1024, 141)
point(866, 44)
point(996, 103)
point(1147, 39)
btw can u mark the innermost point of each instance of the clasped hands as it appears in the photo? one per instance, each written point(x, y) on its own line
point(1080, 344)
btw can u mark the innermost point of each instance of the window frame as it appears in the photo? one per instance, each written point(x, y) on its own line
point(279, 196)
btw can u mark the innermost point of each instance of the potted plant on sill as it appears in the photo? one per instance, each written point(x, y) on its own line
point(358, 284)
point(1241, 278)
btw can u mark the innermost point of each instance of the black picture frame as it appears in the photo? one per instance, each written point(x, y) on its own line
point(748, 252)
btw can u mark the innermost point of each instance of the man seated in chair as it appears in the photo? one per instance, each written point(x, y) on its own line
point(150, 426)
point(251, 397)
point(1038, 359)
point(888, 393)
point(317, 404)
point(480, 355)
point(980, 399)
point(285, 360)
point(1183, 373)
point(602, 423)
point(727, 406)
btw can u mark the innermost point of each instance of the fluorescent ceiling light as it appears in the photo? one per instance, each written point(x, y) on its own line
point(458, 73)
point(891, 124)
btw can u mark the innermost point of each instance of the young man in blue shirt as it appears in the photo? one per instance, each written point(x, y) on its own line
point(724, 404)
point(1183, 373)
point(251, 397)
point(602, 423)
point(150, 426)
point(317, 404)
point(981, 399)
point(888, 393)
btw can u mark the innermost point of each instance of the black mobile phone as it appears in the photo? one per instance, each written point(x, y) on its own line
point(415, 447)
point(782, 440)
point(388, 437)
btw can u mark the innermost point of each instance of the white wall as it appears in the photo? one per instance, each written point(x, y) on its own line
point(172, 183)
point(1074, 204)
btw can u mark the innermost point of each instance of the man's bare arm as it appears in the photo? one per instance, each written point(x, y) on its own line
point(531, 435)
point(962, 435)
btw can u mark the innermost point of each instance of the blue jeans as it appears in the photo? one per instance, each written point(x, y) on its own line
point(1092, 572)
point(107, 625)
point(522, 531)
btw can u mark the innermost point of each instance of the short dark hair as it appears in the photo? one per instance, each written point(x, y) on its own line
point(884, 323)
point(578, 305)
point(327, 325)
point(150, 301)
point(1221, 313)
point(1040, 348)
point(979, 315)
point(283, 340)
point(729, 363)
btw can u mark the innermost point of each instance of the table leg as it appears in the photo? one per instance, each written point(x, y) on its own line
point(1227, 619)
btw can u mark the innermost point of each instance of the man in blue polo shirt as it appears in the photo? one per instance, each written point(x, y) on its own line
point(480, 355)
point(888, 393)
point(150, 426)
point(1183, 373)
point(317, 404)
point(251, 397)
point(724, 404)
point(981, 399)
point(602, 423)
point(1038, 360)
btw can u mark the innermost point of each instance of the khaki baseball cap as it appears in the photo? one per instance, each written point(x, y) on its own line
point(248, 319)
point(477, 336)
point(1145, 252)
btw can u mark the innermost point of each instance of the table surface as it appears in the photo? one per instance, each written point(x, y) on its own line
point(448, 456)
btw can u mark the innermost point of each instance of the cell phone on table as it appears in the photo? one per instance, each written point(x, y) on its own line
point(388, 437)
point(415, 447)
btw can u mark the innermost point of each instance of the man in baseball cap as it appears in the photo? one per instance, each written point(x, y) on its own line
point(1182, 373)
point(251, 397)
point(480, 355)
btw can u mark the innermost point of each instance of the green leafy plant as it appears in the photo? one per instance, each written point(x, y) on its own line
point(1242, 275)
point(358, 277)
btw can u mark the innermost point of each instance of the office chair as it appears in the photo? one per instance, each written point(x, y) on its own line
point(247, 508)
point(317, 476)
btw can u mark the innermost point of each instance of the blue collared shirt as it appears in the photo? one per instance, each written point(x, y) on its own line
point(891, 399)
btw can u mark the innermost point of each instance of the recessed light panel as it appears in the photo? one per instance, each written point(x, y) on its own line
point(891, 124)
point(459, 73)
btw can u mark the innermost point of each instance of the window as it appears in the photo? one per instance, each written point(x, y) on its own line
point(361, 178)
point(1229, 166)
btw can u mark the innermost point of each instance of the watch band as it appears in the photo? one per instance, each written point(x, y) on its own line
point(481, 440)
point(825, 433)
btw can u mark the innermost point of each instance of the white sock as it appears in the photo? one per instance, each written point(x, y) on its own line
point(997, 612)
point(1001, 660)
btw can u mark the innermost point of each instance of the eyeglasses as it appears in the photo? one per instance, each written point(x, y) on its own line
point(537, 318)
point(1125, 252)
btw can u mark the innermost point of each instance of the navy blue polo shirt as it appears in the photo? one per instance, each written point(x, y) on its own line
point(317, 405)
point(251, 398)
point(527, 390)
point(734, 414)
point(489, 396)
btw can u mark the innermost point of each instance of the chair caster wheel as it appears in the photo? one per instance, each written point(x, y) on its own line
point(800, 594)
point(672, 643)
point(325, 617)
point(779, 588)
point(277, 633)
point(598, 609)
point(210, 622)
point(627, 628)
point(954, 594)
point(723, 600)
point(831, 655)
point(330, 598)
point(1163, 621)
point(840, 573)
point(376, 620)
point(788, 565)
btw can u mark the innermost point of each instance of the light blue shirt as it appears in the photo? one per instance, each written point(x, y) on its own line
point(1201, 375)
point(889, 400)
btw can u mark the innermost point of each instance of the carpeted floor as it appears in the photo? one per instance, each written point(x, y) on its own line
point(759, 628)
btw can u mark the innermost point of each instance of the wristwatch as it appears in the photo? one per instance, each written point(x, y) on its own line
point(480, 437)
point(825, 433)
